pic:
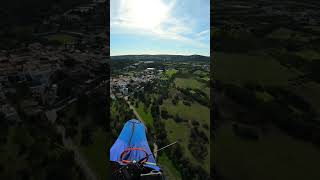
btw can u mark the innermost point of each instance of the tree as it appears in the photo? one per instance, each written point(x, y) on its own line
point(3, 128)
point(164, 114)
point(178, 118)
point(86, 136)
point(245, 132)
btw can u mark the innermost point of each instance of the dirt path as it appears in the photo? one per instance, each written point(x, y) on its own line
point(69, 144)
point(155, 146)
point(136, 114)
point(155, 149)
point(79, 158)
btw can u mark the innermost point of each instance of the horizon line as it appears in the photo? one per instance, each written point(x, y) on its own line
point(160, 55)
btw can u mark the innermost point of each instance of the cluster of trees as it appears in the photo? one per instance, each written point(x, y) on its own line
point(16, 17)
point(86, 136)
point(246, 132)
point(118, 64)
point(195, 95)
point(92, 106)
point(287, 110)
point(155, 110)
point(97, 107)
point(32, 11)
point(40, 147)
point(290, 60)
point(165, 114)
point(313, 70)
point(119, 116)
point(187, 169)
point(179, 119)
point(233, 40)
point(158, 132)
point(143, 96)
point(290, 98)
point(159, 59)
point(198, 143)
point(175, 100)
point(176, 154)
point(309, 67)
point(15, 38)
point(241, 95)
point(4, 129)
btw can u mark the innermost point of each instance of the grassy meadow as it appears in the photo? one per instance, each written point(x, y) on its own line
point(274, 156)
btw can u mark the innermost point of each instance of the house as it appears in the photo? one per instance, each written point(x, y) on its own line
point(113, 96)
point(124, 90)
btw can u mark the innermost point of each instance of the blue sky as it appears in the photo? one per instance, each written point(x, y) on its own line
point(160, 27)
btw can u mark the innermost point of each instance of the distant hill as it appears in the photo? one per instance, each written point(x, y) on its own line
point(162, 57)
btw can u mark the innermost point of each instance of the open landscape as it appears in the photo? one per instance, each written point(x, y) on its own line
point(266, 107)
point(171, 96)
point(53, 89)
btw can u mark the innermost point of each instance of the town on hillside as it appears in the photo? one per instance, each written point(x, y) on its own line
point(54, 85)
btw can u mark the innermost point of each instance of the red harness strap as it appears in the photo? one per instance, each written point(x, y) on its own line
point(133, 149)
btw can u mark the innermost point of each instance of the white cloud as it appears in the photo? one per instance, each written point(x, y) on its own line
point(154, 18)
point(203, 34)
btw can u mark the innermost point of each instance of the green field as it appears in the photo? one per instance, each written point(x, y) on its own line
point(266, 97)
point(275, 156)
point(194, 112)
point(169, 169)
point(200, 73)
point(171, 72)
point(286, 34)
point(9, 153)
point(239, 68)
point(308, 54)
point(188, 83)
point(206, 78)
point(310, 91)
point(63, 38)
point(146, 116)
point(181, 130)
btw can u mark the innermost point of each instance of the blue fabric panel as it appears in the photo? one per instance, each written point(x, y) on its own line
point(133, 135)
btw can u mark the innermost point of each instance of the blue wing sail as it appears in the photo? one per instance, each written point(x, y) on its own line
point(133, 135)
